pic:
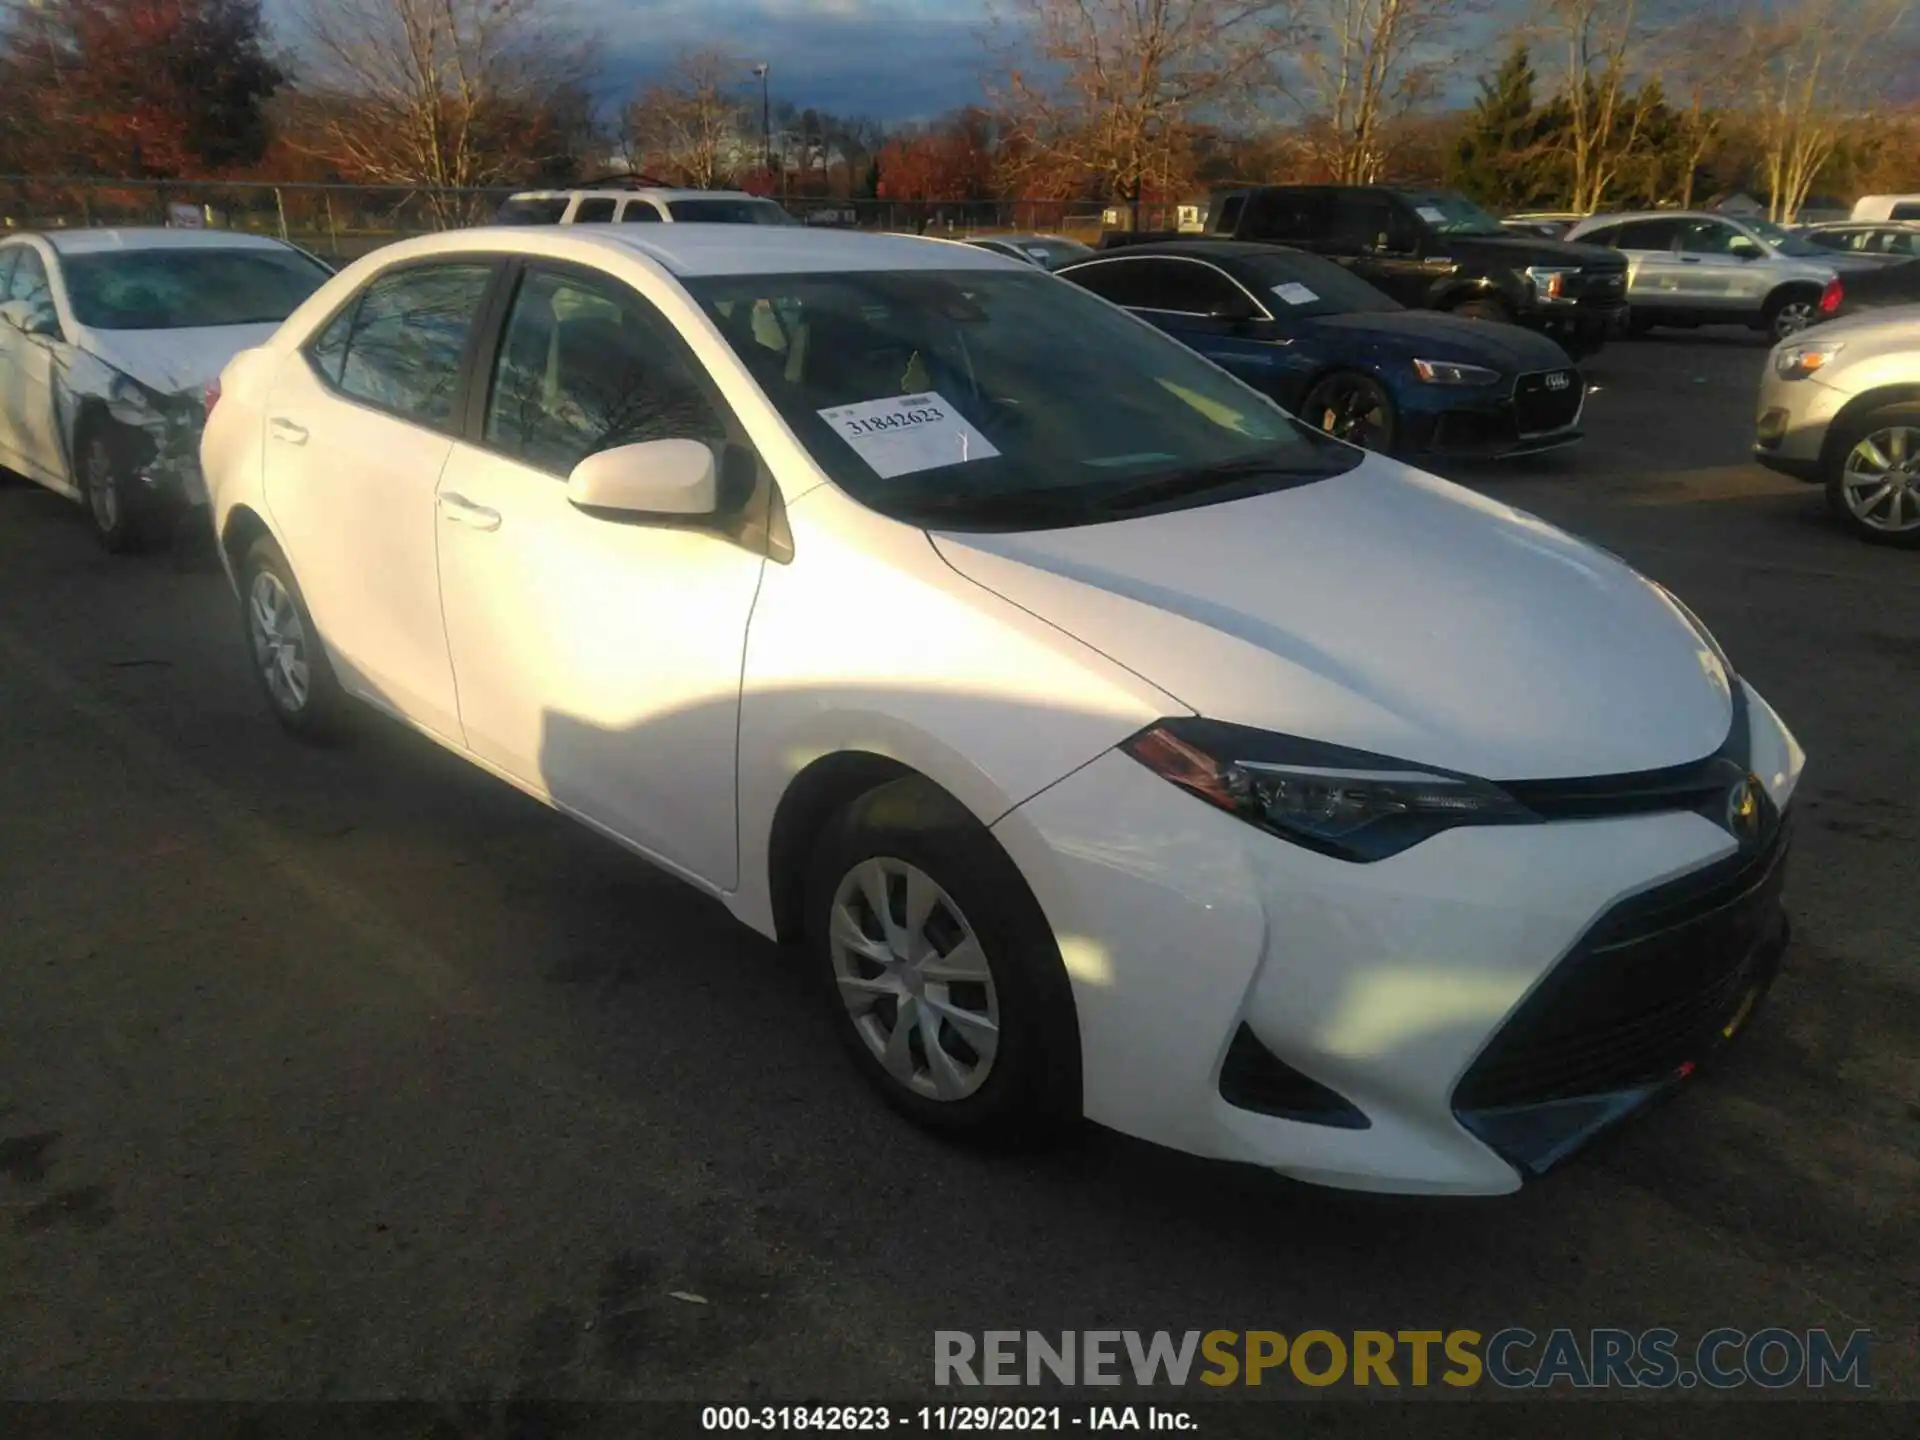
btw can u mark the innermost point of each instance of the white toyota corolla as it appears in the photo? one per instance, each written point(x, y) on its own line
point(1115, 745)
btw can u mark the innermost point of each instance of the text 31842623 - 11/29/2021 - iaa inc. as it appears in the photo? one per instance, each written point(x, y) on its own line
point(1117, 745)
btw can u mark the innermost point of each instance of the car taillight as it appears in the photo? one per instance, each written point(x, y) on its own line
point(210, 397)
point(1831, 297)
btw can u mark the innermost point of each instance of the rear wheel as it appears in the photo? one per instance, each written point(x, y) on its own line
point(113, 504)
point(946, 982)
point(1873, 480)
point(1352, 407)
point(1790, 312)
point(288, 659)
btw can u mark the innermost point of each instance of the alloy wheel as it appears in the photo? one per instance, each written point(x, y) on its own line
point(103, 487)
point(1880, 481)
point(279, 642)
point(1791, 318)
point(914, 979)
point(1350, 411)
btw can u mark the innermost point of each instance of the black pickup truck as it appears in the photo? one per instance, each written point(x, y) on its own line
point(1434, 250)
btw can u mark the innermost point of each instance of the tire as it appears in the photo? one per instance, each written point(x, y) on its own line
point(114, 508)
point(1639, 326)
point(1352, 407)
point(1878, 503)
point(1001, 1063)
point(284, 649)
point(1485, 307)
point(1790, 311)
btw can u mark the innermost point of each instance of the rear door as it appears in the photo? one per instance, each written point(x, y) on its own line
point(1653, 269)
point(359, 425)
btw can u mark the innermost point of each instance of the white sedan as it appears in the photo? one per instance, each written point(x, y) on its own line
point(1116, 745)
point(107, 341)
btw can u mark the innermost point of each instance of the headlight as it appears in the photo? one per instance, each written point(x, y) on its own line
point(1345, 803)
point(1452, 372)
point(1802, 358)
point(1551, 282)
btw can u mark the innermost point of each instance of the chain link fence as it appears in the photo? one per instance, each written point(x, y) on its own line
point(343, 222)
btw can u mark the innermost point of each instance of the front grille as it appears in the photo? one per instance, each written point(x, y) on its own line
point(1599, 285)
point(1541, 408)
point(1650, 988)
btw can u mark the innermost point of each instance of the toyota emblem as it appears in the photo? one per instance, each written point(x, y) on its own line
point(1743, 810)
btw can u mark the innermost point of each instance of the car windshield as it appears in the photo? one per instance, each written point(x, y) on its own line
point(1452, 214)
point(1782, 239)
point(993, 400)
point(1052, 251)
point(189, 288)
point(728, 212)
point(1307, 285)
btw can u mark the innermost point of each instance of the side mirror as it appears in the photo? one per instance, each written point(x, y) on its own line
point(671, 479)
point(30, 318)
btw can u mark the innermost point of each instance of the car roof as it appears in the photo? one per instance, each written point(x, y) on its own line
point(1228, 250)
point(1614, 217)
point(153, 237)
point(1864, 225)
point(695, 249)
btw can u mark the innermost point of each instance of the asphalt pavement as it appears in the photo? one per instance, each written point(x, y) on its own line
point(354, 1073)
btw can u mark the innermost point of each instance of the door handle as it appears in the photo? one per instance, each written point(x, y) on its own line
point(462, 511)
point(284, 429)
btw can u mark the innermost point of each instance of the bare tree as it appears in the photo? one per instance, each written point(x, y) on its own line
point(1605, 44)
point(1816, 65)
point(1115, 85)
point(1363, 65)
point(696, 120)
point(1706, 86)
point(441, 93)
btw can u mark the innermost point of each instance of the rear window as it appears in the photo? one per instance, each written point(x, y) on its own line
point(594, 212)
point(532, 212)
point(728, 212)
point(1909, 210)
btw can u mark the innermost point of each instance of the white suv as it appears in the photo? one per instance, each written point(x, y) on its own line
point(654, 205)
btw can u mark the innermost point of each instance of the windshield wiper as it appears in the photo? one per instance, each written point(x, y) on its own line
point(1202, 478)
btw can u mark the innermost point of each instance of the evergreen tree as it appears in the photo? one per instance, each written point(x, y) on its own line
point(1497, 160)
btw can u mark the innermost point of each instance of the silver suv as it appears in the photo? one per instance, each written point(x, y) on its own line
point(1841, 407)
point(1688, 267)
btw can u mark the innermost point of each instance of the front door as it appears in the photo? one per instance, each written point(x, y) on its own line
point(1720, 267)
point(29, 365)
point(598, 658)
point(359, 426)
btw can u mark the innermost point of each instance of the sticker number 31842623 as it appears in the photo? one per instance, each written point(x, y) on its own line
point(906, 433)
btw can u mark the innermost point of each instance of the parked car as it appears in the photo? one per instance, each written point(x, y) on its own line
point(1841, 408)
point(107, 340)
point(1889, 241)
point(645, 206)
point(1887, 207)
point(1120, 746)
point(1344, 357)
point(1049, 252)
point(1688, 268)
point(1434, 250)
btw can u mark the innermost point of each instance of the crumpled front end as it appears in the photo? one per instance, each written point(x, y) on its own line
point(157, 440)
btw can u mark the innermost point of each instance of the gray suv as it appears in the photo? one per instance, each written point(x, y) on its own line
point(1687, 267)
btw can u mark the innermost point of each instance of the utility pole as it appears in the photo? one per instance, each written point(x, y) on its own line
point(766, 122)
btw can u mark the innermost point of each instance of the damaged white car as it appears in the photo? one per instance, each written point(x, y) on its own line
point(108, 340)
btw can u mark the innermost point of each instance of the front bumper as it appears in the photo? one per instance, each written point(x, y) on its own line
point(1791, 424)
point(1513, 424)
point(1382, 983)
point(1586, 323)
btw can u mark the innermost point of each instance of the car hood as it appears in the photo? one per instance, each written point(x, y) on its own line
point(1386, 610)
point(174, 361)
point(1445, 337)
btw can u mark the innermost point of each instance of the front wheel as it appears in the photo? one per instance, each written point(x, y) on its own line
point(1873, 480)
point(942, 972)
point(113, 505)
point(1354, 408)
point(288, 659)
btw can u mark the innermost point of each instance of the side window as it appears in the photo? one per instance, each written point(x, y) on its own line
point(640, 212)
point(408, 333)
point(1649, 235)
point(1188, 288)
point(328, 349)
point(1905, 210)
point(594, 212)
point(586, 366)
point(1359, 220)
point(29, 279)
point(1607, 235)
point(1836, 239)
point(1228, 220)
point(1711, 237)
point(7, 257)
point(1124, 282)
point(1288, 215)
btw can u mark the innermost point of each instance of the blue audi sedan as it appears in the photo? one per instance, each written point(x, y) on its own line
point(1342, 356)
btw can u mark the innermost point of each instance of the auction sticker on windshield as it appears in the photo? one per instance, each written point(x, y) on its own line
point(1294, 293)
point(906, 433)
point(1432, 214)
